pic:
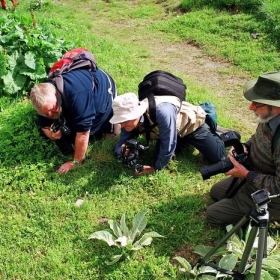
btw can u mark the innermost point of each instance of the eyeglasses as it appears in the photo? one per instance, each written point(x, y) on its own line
point(258, 105)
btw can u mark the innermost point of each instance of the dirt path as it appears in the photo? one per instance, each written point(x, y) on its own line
point(188, 59)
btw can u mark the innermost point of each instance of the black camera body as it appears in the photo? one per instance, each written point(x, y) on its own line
point(60, 124)
point(230, 138)
point(131, 152)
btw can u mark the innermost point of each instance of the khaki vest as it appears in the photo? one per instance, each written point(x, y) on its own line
point(189, 118)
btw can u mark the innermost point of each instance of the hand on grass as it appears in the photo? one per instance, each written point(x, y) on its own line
point(146, 170)
point(67, 166)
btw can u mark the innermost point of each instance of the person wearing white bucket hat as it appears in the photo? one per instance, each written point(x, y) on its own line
point(263, 160)
point(173, 119)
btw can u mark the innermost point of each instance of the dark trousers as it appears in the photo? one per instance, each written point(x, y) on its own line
point(207, 143)
point(227, 211)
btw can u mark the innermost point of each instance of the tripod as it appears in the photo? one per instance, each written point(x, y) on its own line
point(259, 217)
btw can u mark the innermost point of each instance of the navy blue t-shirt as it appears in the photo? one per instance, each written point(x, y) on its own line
point(89, 102)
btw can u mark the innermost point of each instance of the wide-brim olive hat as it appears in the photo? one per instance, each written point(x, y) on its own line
point(265, 90)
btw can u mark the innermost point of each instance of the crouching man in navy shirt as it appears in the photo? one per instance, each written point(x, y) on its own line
point(83, 110)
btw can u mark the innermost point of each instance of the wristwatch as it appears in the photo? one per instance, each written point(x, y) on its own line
point(76, 162)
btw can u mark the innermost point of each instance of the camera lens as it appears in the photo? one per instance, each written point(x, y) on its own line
point(214, 169)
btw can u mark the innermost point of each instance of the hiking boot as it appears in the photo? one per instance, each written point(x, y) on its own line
point(221, 130)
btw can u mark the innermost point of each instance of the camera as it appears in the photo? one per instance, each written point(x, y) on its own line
point(130, 154)
point(230, 138)
point(60, 124)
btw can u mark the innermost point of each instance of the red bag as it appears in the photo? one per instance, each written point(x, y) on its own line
point(78, 58)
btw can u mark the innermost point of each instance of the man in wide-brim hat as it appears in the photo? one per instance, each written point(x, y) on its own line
point(262, 169)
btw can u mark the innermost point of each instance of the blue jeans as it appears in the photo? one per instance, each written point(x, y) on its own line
point(207, 143)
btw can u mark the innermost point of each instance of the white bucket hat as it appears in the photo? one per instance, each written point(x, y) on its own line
point(127, 107)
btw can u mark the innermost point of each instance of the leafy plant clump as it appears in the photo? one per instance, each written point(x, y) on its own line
point(123, 237)
point(228, 258)
point(27, 52)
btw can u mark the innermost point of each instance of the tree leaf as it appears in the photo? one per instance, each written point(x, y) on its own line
point(104, 236)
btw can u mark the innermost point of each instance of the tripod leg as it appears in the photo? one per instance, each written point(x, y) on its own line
point(260, 253)
point(248, 249)
point(203, 260)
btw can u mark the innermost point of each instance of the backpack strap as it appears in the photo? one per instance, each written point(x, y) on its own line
point(275, 138)
point(148, 128)
point(152, 113)
point(152, 106)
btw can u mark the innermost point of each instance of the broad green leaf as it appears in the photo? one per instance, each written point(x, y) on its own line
point(12, 85)
point(220, 275)
point(236, 248)
point(228, 262)
point(146, 239)
point(30, 61)
point(144, 242)
point(114, 259)
point(207, 277)
point(184, 263)
point(273, 271)
point(239, 243)
point(207, 269)
point(249, 276)
point(270, 262)
point(139, 223)
point(12, 59)
point(271, 244)
point(104, 236)
point(114, 226)
point(123, 226)
point(266, 276)
point(203, 250)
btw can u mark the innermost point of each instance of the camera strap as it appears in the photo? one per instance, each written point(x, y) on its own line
point(233, 188)
point(275, 138)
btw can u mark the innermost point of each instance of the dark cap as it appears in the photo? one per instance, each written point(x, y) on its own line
point(265, 90)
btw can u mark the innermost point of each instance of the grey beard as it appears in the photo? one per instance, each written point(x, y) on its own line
point(266, 118)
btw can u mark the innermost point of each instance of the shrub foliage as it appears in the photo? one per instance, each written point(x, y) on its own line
point(27, 51)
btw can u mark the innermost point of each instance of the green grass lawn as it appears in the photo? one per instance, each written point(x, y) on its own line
point(44, 234)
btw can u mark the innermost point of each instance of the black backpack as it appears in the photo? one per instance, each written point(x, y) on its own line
point(159, 83)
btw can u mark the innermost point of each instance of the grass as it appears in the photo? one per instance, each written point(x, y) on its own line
point(227, 36)
point(43, 233)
